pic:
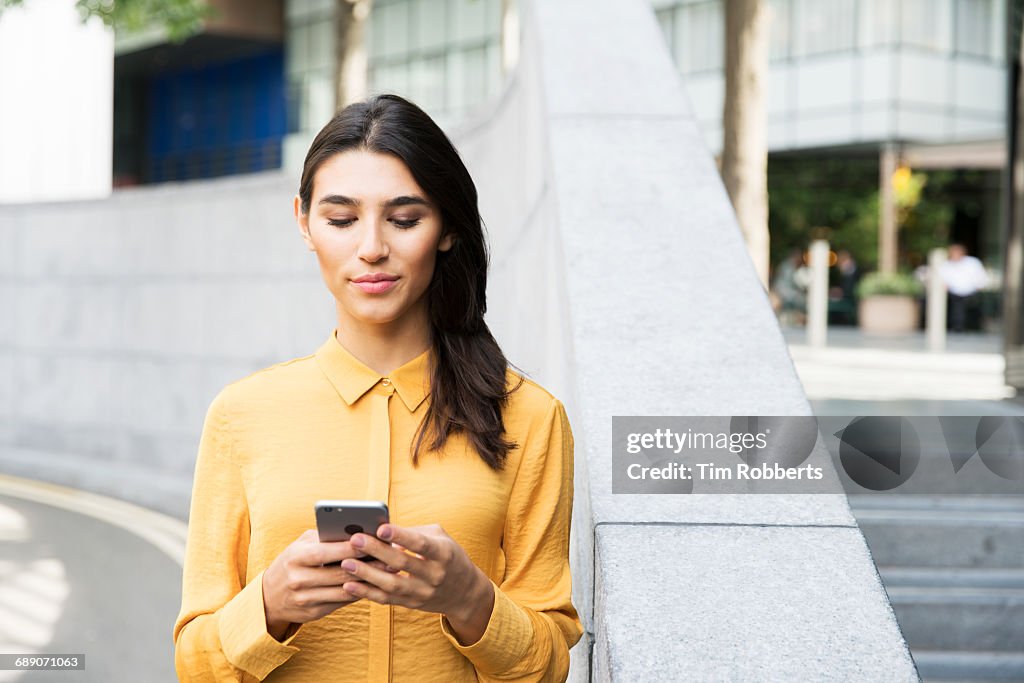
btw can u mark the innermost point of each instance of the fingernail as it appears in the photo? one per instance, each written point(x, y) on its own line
point(358, 541)
point(385, 533)
point(348, 565)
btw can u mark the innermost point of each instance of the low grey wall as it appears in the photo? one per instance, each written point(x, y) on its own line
point(123, 317)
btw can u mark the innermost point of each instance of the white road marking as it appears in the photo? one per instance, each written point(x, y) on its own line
point(163, 531)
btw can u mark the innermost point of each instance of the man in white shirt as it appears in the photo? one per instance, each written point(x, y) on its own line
point(964, 277)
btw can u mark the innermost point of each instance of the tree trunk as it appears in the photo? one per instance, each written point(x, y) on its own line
point(744, 123)
point(1013, 198)
point(888, 239)
point(352, 17)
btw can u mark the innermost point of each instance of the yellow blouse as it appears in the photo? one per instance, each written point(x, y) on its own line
point(326, 426)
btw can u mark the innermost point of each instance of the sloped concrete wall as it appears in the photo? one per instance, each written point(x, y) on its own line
point(667, 318)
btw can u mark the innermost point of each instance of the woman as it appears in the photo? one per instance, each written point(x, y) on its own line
point(470, 579)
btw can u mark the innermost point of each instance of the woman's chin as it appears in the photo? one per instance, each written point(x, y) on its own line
point(374, 315)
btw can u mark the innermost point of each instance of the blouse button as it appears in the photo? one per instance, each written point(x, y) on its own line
point(386, 382)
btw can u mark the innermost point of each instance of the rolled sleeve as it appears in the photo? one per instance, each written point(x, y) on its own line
point(243, 633)
point(506, 640)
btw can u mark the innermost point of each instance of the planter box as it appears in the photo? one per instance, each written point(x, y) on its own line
point(888, 314)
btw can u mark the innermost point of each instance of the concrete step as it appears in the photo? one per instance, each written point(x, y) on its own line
point(944, 533)
point(955, 577)
point(964, 618)
point(953, 567)
point(895, 502)
point(969, 666)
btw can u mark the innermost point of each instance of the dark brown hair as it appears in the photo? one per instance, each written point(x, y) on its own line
point(468, 383)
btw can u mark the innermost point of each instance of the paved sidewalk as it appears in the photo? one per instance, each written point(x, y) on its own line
point(858, 374)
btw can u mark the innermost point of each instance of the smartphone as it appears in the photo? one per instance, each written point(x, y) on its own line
point(338, 520)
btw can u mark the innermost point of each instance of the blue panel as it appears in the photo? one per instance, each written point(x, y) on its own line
point(218, 120)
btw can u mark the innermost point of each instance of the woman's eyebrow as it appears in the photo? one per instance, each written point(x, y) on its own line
point(404, 200)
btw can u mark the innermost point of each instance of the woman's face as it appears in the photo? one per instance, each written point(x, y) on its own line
point(375, 233)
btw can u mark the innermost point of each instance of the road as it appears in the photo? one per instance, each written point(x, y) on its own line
point(73, 583)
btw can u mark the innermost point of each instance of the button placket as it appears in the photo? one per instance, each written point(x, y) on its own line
point(379, 488)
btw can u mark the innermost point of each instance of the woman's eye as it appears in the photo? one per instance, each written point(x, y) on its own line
point(399, 222)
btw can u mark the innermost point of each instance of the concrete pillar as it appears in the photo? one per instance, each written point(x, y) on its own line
point(817, 295)
point(935, 300)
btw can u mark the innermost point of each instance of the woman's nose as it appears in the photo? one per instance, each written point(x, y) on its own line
point(372, 247)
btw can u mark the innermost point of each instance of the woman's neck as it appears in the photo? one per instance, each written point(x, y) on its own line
point(387, 346)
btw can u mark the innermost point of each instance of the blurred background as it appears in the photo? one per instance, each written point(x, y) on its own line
point(869, 151)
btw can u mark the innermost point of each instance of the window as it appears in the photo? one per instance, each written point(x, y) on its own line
point(427, 88)
point(974, 28)
point(822, 26)
point(877, 20)
point(927, 24)
point(778, 29)
point(442, 54)
point(216, 119)
point(309, 64)
point(695, 31)
point(429, 33)
point(700, 37)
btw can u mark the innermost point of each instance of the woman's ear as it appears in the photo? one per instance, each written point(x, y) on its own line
point(303, 222)
point(447, 241)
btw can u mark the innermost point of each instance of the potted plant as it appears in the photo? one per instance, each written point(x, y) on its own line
point(888, 303)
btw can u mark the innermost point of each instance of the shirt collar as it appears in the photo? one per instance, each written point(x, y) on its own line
point(352, 378)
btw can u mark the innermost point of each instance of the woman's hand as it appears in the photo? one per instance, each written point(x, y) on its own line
point(426, 570)
point(297, 587)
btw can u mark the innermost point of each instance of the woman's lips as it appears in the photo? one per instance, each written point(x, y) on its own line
point(376, 287)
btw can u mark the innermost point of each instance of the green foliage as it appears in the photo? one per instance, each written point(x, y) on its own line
point(859, 233)
point(838, 194)
point(180, 18)
point(927, 225)
point(889, 284)
point(837, 198)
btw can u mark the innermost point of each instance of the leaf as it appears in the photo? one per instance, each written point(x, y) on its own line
point(180, 18)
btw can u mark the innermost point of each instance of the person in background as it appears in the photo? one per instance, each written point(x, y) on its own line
point(848, 277)
point(849, 273)
point(964, 277)
point(790, 287)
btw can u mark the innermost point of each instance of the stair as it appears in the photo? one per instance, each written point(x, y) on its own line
point(953, 567)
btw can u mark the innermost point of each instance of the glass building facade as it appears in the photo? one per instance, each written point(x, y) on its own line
point(445, 55)
point(804, 28)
